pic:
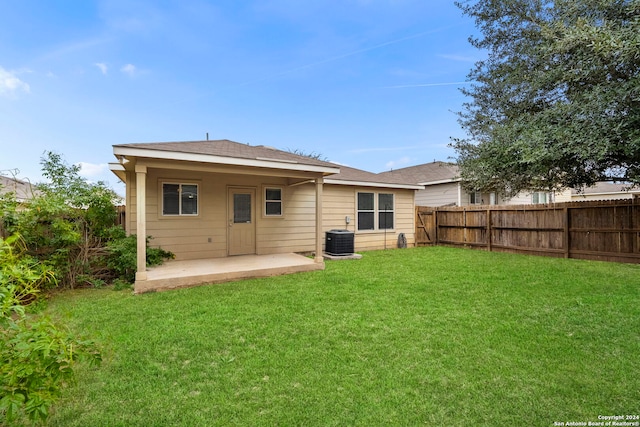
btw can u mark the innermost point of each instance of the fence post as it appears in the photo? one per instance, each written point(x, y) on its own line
point(489, 229)
point(634, 224)
point(567, 233)
point(435, 226)
point(464, 225)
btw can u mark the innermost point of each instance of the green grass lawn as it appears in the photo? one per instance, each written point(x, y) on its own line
point(426, 336)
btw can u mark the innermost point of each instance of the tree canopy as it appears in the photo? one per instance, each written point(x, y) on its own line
point(556, 103)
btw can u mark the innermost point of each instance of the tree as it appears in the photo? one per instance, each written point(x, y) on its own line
point(67, 222)
point(312, 154)
point(556, 104)
point(70, 224)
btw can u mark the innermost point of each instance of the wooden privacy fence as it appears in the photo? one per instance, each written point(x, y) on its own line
point(121, 212)
point(598, 230)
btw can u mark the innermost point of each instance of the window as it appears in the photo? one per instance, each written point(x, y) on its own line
point(242, 208)
point(179, 199)
point(475, 198)
point(385, 211)
point(540, 197)
point(273, 201)
point(366, 211)
point(375, 212)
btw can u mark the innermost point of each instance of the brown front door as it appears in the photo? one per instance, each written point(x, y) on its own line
point(242, 221)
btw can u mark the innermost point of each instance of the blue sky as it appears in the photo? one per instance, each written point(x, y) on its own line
point(372, 84)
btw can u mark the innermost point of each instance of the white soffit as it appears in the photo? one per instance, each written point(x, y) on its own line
point(118, 170)
point(235, 161)
point(373, 184)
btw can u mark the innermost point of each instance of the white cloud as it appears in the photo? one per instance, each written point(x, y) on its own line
point(103, 67)
point(129, 69)
point(393, 164)
point(10, 84)
point(91, 170)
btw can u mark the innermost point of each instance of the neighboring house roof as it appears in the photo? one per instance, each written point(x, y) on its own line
point(425, 174)
point(605, 188)
point(22, 189)
point(235, 153)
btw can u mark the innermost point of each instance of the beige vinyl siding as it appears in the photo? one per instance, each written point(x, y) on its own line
point(447, 194)
point(519, 199)
point(205, 235)
point(526, 198)
point(188, 237)
point(438, 195)
point(564, 196)
point(340, 201)
point(295, 230)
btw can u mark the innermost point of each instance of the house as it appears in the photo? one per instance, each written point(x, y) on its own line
point(442, 187)
point(220, 199)
point(375, 208)
point(22, 190)
point(605, 191)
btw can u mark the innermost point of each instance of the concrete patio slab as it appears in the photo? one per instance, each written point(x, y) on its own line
point(180, 274)
point(341, 257)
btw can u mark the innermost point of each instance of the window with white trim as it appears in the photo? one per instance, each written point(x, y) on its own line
point(273, 201)
point(179, 199)
point(540, 197)
point(385, 211)
point(475, 198)
point(375, 211)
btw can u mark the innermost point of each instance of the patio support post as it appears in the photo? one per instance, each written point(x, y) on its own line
point(319, 258)
point(141, 229)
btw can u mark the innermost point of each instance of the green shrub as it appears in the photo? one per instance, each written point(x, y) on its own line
point(38, 358)
point(122, 257)
point(37, 355)
point(20, 273)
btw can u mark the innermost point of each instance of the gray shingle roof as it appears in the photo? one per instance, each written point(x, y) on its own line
point(226, 148)
point(424, 173)
point(358, 175)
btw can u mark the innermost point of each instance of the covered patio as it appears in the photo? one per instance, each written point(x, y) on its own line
point(180, 274)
